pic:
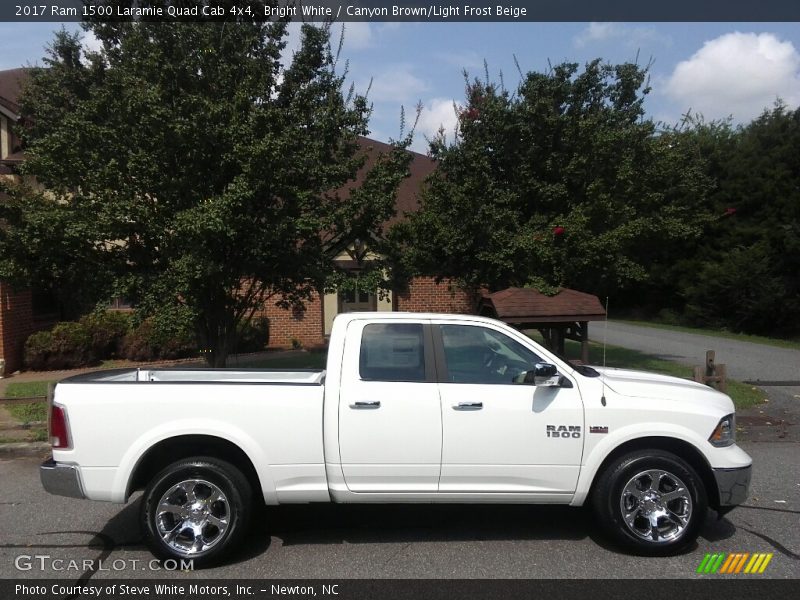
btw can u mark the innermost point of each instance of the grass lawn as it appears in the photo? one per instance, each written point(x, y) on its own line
point(28, 413)
point(742, 337)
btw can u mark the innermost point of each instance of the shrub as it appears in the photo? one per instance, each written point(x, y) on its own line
point(107, 330)
point(137, 344)
point(252, 336)
point(38, 347)
point(165, 335)
point(67, 346)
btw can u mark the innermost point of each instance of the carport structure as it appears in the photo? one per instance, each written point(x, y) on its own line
point(560, 317)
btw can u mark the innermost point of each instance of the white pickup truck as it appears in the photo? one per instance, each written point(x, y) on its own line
point(411, 408)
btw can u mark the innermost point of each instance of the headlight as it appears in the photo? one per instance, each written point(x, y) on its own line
point(724, 433)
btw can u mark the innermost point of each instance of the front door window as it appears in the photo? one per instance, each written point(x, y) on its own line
point(482, 355)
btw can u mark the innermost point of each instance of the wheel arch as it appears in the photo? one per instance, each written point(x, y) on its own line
point(678, 447)
point(181, 447)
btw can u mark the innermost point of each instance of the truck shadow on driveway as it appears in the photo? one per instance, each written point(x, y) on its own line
point(292, 525)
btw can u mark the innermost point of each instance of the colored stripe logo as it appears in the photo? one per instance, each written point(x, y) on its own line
point(734, 563)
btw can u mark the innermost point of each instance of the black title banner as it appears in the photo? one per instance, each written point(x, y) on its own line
point(399, 10)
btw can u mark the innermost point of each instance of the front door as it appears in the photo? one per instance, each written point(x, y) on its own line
point(495, 431)
point(390, 421)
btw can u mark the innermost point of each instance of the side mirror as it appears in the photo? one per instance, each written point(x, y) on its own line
point(544, 375)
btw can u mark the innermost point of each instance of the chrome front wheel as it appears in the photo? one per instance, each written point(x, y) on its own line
point(650, 501)
point(656, 506)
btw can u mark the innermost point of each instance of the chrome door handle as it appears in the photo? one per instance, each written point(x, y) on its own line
point(367, 404)
point(468, 406)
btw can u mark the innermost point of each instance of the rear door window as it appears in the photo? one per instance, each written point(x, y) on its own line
point(392, 352)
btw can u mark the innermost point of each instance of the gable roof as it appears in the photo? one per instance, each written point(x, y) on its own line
point(527, 305)
point(12, 80)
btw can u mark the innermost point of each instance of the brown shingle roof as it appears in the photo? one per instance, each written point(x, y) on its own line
point(527, 305)
point(408, 193)
point(11, 81)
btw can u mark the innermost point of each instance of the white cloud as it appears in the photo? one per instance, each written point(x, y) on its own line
point(357, 36)
point(737, 74)
point(438, 113)
point(395, 83)
point(596, 32)
point(91, 43)
point(631, 36)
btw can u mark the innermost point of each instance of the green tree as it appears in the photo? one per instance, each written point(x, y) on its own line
point(200, 169)
point(45, 243)
point(709, 145)
point(562, 183)
point(745, 267)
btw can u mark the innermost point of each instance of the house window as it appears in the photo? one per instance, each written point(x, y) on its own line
point(120, 303)
point(353, 296)
point(357, 301)
point(14, 143)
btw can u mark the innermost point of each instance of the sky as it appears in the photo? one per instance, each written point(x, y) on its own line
point(717, 69)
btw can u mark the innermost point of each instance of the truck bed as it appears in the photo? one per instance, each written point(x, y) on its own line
point(173, 375)
point(274, 416)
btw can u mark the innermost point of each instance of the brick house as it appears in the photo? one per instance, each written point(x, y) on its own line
point(20, 316)
point(312, 326)
point(21, 311)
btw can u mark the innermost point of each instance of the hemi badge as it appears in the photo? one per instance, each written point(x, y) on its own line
point(598, 429)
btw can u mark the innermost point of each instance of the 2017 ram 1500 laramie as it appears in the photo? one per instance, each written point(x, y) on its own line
point(411, 408)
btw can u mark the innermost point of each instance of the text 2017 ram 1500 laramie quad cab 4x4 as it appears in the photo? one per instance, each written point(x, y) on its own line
point(411, 408)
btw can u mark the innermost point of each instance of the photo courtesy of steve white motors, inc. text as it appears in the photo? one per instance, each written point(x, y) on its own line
point(171, 590)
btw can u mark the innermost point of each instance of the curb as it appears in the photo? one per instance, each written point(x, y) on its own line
point(17, 449)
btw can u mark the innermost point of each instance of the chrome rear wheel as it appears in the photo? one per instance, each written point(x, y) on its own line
point(192, 516)
point(196, 509)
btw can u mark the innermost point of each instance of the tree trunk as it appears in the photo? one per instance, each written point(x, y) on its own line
point(217, 338)
point(217, 359)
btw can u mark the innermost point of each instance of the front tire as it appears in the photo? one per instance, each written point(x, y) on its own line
point(651, 502)
point(196, 509)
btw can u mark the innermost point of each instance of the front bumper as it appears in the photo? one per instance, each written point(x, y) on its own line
point(733, 485)
point(61, 479)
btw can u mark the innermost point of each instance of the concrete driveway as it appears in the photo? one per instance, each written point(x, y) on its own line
point(746, 361)
point(775, 370)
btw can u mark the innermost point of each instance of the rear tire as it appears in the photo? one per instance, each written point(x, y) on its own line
point(651, 502)
point(196, 509)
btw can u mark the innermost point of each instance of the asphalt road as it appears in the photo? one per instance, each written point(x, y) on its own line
point(423, 541)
